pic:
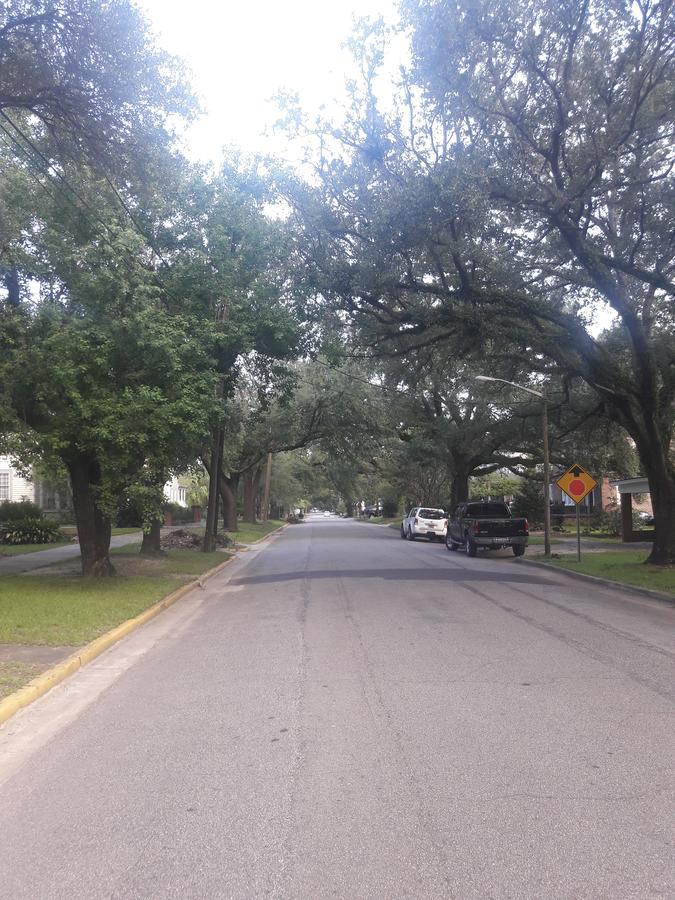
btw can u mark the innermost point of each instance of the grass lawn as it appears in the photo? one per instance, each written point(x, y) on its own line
point(380, 520)
point(249, 532)
point(14, 675)
point(62, 609)
point(625, 566)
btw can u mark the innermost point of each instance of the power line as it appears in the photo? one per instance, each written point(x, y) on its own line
point(46, 170)
point(28, 172)
point(50, 167)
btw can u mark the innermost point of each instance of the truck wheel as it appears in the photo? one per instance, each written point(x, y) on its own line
point(471, 548)
point(411, 536)
point(519, 549)
point(402, 532)
point(450, 544)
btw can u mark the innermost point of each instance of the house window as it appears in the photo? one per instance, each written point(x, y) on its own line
point(4, 486)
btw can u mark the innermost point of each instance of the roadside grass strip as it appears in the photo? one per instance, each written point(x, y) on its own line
point(381, 520)
point(622, 566)
point(64, 610)
point(56, 608)
point(249, 533)
point(14, 675)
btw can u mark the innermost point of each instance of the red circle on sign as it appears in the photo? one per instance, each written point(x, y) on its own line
point(577, 486)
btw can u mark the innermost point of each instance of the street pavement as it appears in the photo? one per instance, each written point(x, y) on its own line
point(345, 714)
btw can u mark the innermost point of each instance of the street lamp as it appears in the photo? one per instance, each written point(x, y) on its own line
point(544, 417)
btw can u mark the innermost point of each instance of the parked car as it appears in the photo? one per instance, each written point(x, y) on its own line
point(371, 511)
point(487, 525)
point(422, 521)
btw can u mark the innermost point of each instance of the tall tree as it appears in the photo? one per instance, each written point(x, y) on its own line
point(523, 183)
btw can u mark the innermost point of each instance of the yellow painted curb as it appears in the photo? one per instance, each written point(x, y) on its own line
point(49, 679)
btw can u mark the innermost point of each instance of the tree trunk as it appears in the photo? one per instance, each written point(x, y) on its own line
point(214, 470)
point(151, 540)
point(93, 526)
point(661, 478)
point(459, 490)
point(251, 488)
point(228, 493)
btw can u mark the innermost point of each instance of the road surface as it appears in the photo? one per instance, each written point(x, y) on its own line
point(344, 714)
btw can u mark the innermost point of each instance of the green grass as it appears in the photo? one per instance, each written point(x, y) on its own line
point(381, 520)
point(57, 609)
point(14, 675)
point(125, 530)
point(249, 532)
point(624, 566)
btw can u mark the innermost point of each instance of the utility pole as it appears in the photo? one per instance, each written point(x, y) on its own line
point(544, 419)
point(266, 492)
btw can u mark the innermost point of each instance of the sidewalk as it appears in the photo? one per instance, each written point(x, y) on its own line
point(14, 565)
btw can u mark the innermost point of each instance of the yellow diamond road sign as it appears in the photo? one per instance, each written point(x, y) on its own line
point(577, 483)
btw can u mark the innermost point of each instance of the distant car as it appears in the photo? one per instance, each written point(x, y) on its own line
point(371, 511)
point(423, 521)
point(326, 513)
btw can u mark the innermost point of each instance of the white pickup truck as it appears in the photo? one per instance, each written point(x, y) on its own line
point(422, 521)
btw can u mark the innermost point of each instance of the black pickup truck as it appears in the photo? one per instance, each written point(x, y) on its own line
point(488, 525)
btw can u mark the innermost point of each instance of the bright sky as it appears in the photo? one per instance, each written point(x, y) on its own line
point(241, 53)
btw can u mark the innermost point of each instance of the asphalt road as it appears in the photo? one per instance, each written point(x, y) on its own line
point(345, 714)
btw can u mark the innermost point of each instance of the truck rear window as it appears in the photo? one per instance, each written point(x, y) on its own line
point(488, 511)
point(431, 514)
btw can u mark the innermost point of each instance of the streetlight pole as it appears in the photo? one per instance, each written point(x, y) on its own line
point(544, 420)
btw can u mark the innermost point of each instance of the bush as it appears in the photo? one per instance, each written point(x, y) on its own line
point(30, 531)
point(528, 503)
point(609, 521)
point(23, 509)
point(390, 507)
point(128, 516)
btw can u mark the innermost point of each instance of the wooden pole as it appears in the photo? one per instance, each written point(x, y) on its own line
point(266, 492)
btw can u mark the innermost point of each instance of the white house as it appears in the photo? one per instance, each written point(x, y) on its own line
point(13, 485)
point(55, 498)
point(175, 492)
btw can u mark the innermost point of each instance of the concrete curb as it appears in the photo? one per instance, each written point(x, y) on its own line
point(49, 679)
point(604, 582)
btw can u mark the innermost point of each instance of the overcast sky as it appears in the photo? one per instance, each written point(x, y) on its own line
point(242, 53)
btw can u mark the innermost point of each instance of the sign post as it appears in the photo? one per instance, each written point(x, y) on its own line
point(577, 483)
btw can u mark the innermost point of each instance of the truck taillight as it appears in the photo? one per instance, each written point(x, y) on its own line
point(445, 523)
point(416, 521)
point(526, 526)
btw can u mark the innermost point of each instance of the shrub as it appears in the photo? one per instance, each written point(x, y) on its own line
point(128, 515)
point(390, 507)
point(528, 503)
point(23, 509)
point(29, 531)
point(609, 521)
